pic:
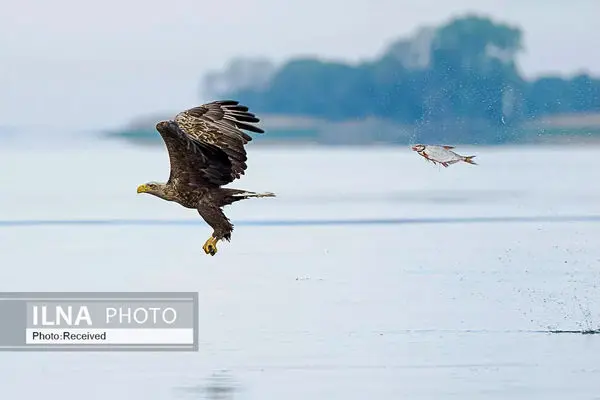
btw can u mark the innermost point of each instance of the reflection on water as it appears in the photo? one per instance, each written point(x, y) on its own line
point(220, 385)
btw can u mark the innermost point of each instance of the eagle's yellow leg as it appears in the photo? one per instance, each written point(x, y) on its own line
point(210, 246)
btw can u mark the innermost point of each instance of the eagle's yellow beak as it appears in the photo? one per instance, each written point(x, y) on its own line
point(142, 189)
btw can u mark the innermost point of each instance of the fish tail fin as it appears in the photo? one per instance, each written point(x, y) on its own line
point(469, 160)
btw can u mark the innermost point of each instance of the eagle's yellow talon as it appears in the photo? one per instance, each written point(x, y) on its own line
point(210, 247)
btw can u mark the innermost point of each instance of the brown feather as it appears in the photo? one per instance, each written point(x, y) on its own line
point(206, 143)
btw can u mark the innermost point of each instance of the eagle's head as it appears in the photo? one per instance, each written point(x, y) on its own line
point(418, 147)
point(157, 189)
point(150, 187)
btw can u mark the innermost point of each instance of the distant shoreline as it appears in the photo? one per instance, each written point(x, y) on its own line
point(285, 129)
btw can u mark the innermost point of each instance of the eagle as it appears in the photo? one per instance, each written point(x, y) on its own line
point(206, 151)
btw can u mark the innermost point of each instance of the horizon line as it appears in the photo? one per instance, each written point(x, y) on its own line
point(303, 222)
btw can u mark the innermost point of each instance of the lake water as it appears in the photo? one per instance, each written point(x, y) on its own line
point(372, 274)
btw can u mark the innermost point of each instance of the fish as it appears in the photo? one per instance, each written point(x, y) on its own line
point(441, 154)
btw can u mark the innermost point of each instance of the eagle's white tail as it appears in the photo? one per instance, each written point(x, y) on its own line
point(247, 195)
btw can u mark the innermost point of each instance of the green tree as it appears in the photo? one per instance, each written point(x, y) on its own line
point(465, 70)
point(473, 64)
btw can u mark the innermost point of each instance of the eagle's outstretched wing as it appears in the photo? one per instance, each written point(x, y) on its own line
point(206, 143)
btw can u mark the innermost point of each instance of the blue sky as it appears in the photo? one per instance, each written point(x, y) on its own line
point(76, 64)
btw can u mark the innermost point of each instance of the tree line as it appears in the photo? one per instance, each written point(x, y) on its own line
point(465, 69)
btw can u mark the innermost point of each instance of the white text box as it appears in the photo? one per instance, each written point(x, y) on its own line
point(112, 336)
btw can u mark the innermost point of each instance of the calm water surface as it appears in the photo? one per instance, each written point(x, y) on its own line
point(441, 308)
